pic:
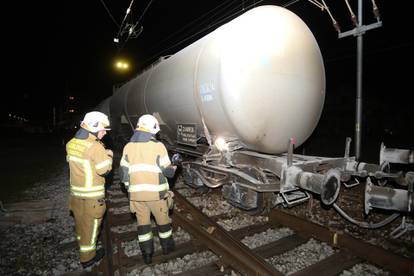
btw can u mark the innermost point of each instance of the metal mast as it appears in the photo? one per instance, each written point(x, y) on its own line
point(358, 31)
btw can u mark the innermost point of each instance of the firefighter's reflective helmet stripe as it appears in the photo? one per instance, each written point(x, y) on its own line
point(103, 164)
point(164, 235)
point(86, 167)
point(144, 168)
point(148, 187)
point(165, 161)
point(145, 237)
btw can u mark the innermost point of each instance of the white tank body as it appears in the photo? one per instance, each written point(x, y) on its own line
point(259, 78)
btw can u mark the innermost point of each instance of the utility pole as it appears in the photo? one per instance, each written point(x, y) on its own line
point(359, 31)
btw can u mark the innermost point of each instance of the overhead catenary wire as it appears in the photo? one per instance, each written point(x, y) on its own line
point(323, 7)
point(220, 21)
point(316, 3)
point(290, 3)
point(223, 5)
point(125, 17)
point(132, 32)
point(234, 12)
point(209, 20)
point(110, 15)
point(139, 20)
point(334, 22)
point(375, 10)
point(143, 13)
point(353, 17)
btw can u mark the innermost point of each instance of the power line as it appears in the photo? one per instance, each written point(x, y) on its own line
point(213, 25)
point(123, 20)
point(143, 13)
point(227, 3)
point(233, 13)
point(132, 32)
point(110, 15)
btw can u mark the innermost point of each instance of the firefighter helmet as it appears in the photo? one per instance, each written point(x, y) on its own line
point(148, 123)
point(95, 121)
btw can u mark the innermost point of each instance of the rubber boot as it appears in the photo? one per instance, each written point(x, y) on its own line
point(100, 253)
point(147, 258)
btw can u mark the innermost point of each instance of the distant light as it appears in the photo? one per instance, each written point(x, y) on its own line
point(71, 110)
point(122, 65)
point(116, 40)
point(10, 115)
point(71, 98)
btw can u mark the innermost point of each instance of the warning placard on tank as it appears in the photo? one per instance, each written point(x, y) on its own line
point(187, 134)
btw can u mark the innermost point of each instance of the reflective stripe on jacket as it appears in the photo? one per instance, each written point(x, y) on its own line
point(142, 166)
point(88, 163)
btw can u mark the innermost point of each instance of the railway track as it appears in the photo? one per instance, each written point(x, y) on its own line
point(223, 251)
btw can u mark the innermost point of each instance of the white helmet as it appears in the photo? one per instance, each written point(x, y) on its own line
point(148, 123)
point(95, 121)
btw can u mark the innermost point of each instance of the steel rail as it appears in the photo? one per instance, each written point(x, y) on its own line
point(232, 251)
point(359, 248)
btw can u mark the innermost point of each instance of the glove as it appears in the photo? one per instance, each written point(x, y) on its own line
point(169, 198)
point(124, 187)
point(176, 159)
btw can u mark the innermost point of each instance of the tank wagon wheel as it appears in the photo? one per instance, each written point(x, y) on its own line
point(261, 206)
point(195, 182)
point(202, 190)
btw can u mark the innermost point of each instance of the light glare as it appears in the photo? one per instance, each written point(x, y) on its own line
point(221, 144)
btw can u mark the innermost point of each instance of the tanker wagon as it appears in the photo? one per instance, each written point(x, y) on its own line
point(235, 104)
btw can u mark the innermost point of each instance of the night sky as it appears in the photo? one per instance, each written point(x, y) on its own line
point(63, 49)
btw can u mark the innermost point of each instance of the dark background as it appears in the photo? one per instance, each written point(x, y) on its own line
point(56, 50)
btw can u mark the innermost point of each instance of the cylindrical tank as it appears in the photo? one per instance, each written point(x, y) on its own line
point(259, 78)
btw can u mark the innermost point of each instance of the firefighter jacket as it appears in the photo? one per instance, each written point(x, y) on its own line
point(144, 166)
point(88, 164)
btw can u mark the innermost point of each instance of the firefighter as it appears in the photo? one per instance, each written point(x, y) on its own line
point(144, 166)
point(89, 162)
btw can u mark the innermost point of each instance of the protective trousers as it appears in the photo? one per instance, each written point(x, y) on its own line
point(159, 209)
point(88, 214)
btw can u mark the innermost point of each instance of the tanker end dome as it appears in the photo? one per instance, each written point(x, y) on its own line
point(272, 78)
